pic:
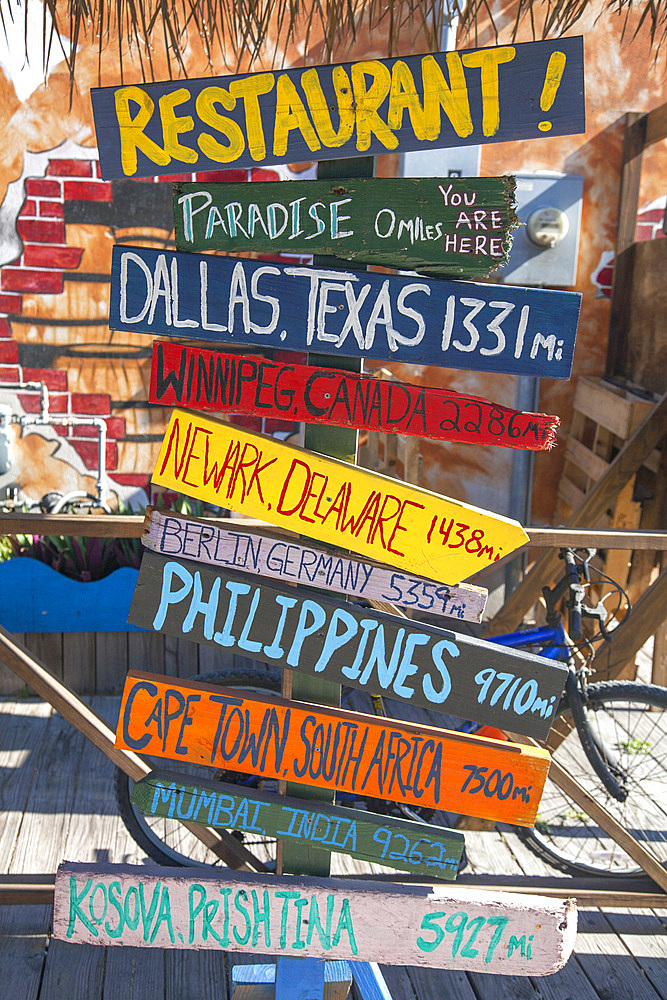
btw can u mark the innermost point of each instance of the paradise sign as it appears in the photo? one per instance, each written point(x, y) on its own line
point(376, 652)
point(430, 926)
point(388, 840)
point(507, 92)
point(449, 226)
point(229, 546)
point(371, 757)
point(239, 383)
point(429, 321)
point(331, 501)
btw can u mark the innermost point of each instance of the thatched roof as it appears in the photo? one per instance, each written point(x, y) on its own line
point(142, 27)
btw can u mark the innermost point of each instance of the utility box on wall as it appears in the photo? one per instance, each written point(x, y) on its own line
point(546, 244)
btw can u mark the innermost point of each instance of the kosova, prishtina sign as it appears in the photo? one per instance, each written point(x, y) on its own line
point(331, 501)
point(397, 843)
point(280, 558)
point(431, 926)
point(237, 383)
point(378, 758)
point(379, 653)
point(428, 321)
point(458, 227)
point(373, 106)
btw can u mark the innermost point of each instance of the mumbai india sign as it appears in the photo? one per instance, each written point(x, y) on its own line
point(331, 501)
point(372, 757)
point(431, 926)
point(366, 649)
point(428, 321)
point(458, 227)
point(232, 383)
point(397, 843)
point(280, 558)
point(508, 92)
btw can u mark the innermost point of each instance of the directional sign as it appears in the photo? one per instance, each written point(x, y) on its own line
point(449, 226)
point(397, 843)
point(331, 501)
point(428, 321)
point(431, 926)
point(331, 748)
point(233, 383)
point(510, 92)
point(280, 558)
point(366, 649)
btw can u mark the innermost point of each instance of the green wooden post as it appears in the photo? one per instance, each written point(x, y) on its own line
point(336, 442)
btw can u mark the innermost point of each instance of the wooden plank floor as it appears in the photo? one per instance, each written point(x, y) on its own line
point(56, 803)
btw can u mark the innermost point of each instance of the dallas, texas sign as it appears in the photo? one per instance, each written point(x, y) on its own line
point(365, 755)
point(507, 92)
point(428, 321)
point(432, 926)
point(378, 653)
point(331, 501)
point(387, 840)
point(231, 546)
point(247, 384)
point(458, 227)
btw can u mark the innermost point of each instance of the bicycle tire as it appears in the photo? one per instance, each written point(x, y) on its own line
point(168, 842)
point(564, 836)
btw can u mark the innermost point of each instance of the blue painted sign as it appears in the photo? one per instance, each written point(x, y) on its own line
point(450, 324)
point(506, 92)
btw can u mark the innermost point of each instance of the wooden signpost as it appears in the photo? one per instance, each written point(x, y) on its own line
point(429, 321)
point(459, 227)
point(332, 748)
point(331, 501)
point(378, 653)
point(387, 840)
point(429, 926)
point(508, 92)
point(249, 384)
point(290, 561)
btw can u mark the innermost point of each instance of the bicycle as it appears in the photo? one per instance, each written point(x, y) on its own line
point(612, 723)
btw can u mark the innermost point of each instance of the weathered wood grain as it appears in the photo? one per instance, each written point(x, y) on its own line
point(388, 840)
point(331, 501)
point(332, 748)
point(273, 555)
point(231, 383)
point(289, 116)
point(318, 918)
point(475, 326)
point(366, 649)
point(450, 226)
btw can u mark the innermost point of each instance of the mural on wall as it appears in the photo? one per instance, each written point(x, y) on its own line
point(650, 226)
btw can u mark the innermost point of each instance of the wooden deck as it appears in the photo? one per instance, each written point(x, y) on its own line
point(56, 802)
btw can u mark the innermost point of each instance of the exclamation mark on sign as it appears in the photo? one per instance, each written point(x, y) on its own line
point(551, 84)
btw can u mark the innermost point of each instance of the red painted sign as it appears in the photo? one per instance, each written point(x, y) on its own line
point(238, 383)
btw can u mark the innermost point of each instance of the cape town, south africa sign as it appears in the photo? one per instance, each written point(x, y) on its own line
point(458, 227)
point(429, 926)
point(331, 501)
point(496, 94)
point(475, 326)
point(377, 652)
point(366, 755)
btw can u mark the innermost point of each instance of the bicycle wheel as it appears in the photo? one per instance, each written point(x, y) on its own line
point(629, 720)
point(168, 842)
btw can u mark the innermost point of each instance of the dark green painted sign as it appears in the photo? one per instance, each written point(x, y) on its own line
point(456, 227)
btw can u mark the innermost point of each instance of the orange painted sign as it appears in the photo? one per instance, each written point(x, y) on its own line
point(329, 500)
point(331, 748)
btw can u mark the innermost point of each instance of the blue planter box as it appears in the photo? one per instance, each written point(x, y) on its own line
point(34, 598)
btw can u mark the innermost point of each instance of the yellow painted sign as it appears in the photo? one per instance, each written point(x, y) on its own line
point(331, 501)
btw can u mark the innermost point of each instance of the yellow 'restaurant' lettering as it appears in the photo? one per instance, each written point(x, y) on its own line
point(374, 98)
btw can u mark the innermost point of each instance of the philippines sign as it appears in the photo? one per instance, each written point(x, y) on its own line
point(331, 501)
point(508, 92)
point(428, 321)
